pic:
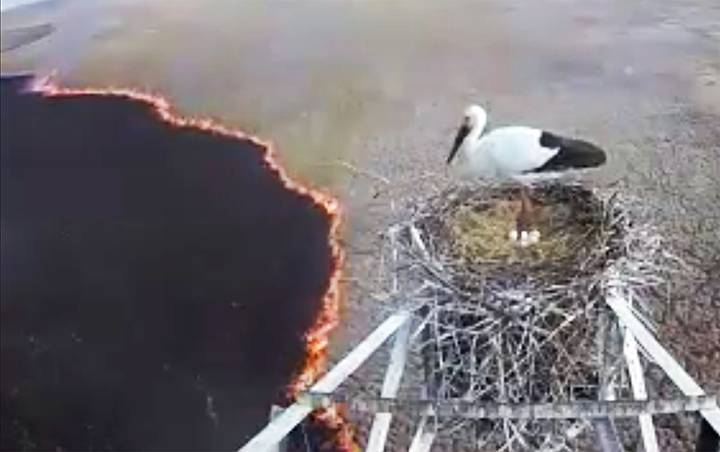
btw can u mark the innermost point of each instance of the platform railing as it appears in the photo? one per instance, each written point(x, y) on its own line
point(322, 393)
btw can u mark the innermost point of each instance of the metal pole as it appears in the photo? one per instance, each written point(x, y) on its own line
point(391, 385)
point(607, 440)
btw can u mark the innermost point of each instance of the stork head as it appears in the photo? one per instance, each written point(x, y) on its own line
point(474, 120)
point(475, 116)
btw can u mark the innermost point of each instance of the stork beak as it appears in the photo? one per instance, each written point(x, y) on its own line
point(462, 132)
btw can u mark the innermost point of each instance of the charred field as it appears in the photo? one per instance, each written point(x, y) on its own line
point(163, 281)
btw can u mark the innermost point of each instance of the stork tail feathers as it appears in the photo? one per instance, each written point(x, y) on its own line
point(572, 153)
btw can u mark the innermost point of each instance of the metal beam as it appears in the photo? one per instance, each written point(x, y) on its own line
point(398, 359)
point(609, 345)
point(462, 409)
point(662, 358)
point(637, 382)
point(391, 385)
point(379, 432)
point(279, 427)
point(276, 411)
point(606, 436)
point(424, 438)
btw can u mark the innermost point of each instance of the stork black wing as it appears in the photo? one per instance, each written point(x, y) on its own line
point(571, 154)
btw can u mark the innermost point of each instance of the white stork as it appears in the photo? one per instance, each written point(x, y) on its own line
point(519, 153)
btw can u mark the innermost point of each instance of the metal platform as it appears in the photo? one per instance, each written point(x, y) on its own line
point(398, 325)
point(631, 340)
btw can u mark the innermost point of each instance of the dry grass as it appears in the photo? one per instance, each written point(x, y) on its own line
point(479, 231)
point(475, 222)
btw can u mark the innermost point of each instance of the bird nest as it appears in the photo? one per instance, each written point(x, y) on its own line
point(504, 323)
point(473, 228)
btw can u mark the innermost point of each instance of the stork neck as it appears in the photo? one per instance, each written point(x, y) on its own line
point(476, 131)
point(474, 135)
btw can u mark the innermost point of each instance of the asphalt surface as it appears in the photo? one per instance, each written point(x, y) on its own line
point(382, 84)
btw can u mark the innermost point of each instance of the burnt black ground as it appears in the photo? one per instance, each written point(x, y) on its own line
point(156, 281)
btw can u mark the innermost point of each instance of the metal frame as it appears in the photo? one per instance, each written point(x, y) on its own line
point(461, 409)
point(637, 377)
point(661, 357)
point(278, 428)
point(635, 335)
point(391, 385)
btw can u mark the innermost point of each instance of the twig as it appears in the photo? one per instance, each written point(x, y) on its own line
point(355, 170)
point(507, 331)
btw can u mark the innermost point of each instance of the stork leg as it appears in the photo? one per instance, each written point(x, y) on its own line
point(524, 219)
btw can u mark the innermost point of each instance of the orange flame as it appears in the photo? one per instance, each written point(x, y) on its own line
point(317, 338)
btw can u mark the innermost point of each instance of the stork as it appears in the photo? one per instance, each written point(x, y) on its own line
point(521, 154)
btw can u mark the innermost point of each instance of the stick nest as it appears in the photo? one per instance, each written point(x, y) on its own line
point(473, 225)
point(520, 325)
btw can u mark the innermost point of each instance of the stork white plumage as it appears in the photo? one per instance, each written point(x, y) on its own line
point(518, 153)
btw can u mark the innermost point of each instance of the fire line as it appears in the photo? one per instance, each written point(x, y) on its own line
point(317, 338)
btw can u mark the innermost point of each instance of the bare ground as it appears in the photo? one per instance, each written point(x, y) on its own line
point(381, 84)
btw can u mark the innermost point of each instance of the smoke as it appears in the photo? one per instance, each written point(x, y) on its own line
point(6, 5)
point(78, 21)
